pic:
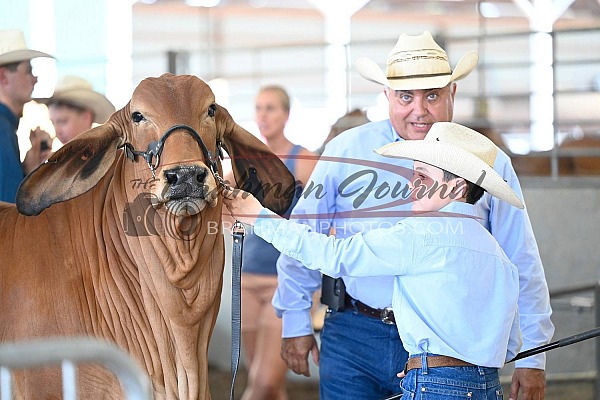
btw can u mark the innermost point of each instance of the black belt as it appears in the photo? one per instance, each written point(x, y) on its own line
point(386, 315)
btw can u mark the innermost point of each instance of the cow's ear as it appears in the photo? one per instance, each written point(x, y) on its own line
point(255, 168)
point(73, 170)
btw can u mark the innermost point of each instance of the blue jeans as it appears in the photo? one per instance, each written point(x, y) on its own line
point(447, 383)
point(360, 357)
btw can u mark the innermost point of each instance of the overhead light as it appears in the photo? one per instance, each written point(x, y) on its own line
point(262, 3)
point(202, 3)
point(489, 10)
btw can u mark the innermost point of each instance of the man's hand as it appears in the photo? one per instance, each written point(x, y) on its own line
point(530, 382)
point(39, 152)
point(294, 352)
point(242, 205)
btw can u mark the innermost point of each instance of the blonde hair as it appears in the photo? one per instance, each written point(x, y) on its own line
point(283, 95)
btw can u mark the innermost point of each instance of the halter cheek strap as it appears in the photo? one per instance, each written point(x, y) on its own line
point(152, 154)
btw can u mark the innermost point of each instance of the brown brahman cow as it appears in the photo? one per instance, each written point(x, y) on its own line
point(100, 248)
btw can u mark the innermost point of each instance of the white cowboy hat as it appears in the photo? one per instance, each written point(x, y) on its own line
point(417, 62)
point(14, 49)
point(80, 93)
point(460, 150)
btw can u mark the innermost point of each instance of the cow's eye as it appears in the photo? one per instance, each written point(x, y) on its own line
point(137, 117)
point(212, 110)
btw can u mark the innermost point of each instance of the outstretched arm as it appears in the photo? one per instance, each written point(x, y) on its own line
point(332, 256)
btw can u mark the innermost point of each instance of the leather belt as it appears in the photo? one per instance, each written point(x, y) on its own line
point(386, 315)
point(435, 361)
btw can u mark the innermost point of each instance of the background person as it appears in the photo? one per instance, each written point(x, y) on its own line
point(16, 86)
point(349, 120)
point(360, 350)
point(75, 106)
point(459, 338)
point(261, 329)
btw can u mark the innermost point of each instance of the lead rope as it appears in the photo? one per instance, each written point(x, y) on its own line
point(238, 232)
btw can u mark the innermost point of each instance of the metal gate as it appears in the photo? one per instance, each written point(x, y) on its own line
point(68, 352)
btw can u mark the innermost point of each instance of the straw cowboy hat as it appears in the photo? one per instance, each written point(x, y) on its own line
point(417, 62)
point(79, 92)
point(14, 49)
point(460, 150)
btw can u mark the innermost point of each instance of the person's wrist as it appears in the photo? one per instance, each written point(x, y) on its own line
point(29, 162)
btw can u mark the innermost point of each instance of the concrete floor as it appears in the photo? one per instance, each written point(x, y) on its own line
point(220, 383)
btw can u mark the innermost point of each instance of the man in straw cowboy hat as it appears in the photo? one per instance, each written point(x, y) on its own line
point(360, 346)
point(455, 291)
point(16, 87)
point(75, 106)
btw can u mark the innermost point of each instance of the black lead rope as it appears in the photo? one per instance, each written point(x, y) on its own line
point(238, 232)
point(592, 333)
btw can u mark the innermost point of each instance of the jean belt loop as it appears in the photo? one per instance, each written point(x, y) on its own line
point(424, 367)
point(480, 370)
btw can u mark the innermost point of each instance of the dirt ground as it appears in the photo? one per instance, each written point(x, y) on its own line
point(220, 383)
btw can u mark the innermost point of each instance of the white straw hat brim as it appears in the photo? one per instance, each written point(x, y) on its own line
point(369, 70)
point(454, 159)
point(21, 55)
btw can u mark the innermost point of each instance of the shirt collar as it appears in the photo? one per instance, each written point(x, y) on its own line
point(394, 135)
point(460, 207)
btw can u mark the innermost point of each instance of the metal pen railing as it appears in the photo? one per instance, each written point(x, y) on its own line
point(68, 352)
point(595, 289)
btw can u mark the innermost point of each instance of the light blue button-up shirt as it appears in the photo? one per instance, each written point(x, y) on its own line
point(454, 290)
point(356, 190)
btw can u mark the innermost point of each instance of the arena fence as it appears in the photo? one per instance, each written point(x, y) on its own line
point(68, 352)
point(594, 304)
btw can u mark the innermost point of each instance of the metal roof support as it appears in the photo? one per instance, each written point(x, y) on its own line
point(338, 14)
point(541, 15)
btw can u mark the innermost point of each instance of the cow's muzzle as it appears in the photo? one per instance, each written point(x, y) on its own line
point(188, 189)
point(186, 181)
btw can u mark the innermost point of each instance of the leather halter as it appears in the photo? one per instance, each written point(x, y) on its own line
point(155, 148)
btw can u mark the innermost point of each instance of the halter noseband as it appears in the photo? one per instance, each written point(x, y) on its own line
point(152, 154)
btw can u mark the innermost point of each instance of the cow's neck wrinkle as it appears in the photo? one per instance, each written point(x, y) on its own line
point(163, 304)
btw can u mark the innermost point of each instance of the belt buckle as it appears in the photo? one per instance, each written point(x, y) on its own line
point(386, 315)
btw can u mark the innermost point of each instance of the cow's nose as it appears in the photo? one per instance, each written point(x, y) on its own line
point(186, 181)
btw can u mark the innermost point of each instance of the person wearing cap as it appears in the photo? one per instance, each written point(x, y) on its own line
point(75, 106)
point(16, 86)
point(360, 347)
point(454, 291)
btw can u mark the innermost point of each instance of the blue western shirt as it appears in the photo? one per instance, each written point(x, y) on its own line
point(454, 290)
point(356, 190)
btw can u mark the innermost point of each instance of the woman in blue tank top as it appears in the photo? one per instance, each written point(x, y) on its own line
point(261, 329)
